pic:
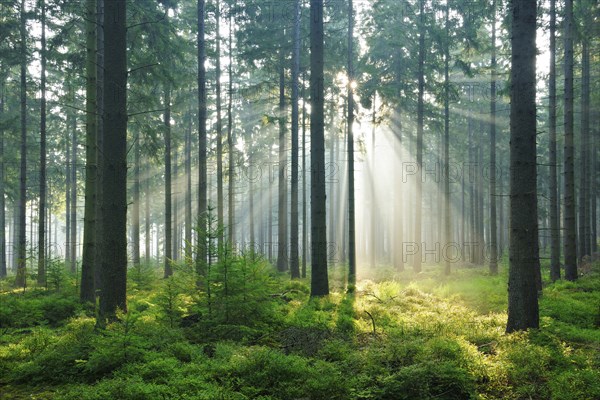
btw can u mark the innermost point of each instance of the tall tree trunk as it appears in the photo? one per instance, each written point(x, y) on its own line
point(68, 236)
point(168, 243)
point(114, 152)
point(294, 232)
point(304, 214)
point(86, 293)
point(493, 222)
point(176, 245)
point(282, 215)
point(584, 209)
point(319, 278)
point(202, 178)
point(188, 187)
point(148, 223)
point(220, 211)
point(73, 193)
point(98, 254)
point(41, 272)
point(554, 205)
point(230, 146)
point(350, 155)
point(372, 188)
point(446, 236)
point(523, 312)
point(3, 269)
point(420, 116)
point(570, 240)
point(135, 207)
point(21, 278)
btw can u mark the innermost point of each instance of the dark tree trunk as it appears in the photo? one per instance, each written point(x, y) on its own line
point(188, 187)
point(523, 312)
point(114, 152)
point(168, 243)
point(446, 236)
point(294, 232)
point(350, 123)
point(41, 272)
point(87, 294)
point(148, 223)
point(202, 178)
point(319, 278)
point(493, 222)
point(21, 279)
point(554, 205)
point(419, 158)
point(135, 207)
point(3, 269)
point(304, 214)
point(230, 146)
point(73, 194)
point(584, 174)
point(282, 214)
point(220, 211)
point(98, 255)
point(570, 240)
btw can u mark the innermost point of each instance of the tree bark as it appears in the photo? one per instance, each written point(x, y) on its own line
point(493, 222)
point(202, 178)
point(114, 166)
point(419, 158)
point(98, 256)
point(319, 278)
point(523, 312)
point(168, 243)
point(86, 294)
point(41, 272)
point(220, 211)
point(3, 269)
point(230, 145)
point(349, 127)
point(294, 231)
point(282, 215)
point(554, 204)
point(570, 240)
point(21, 278)
point(446, 236)
point(584, 174)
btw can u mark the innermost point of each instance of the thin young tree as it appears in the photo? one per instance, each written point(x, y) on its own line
point(168, 242)
point(202, 178)
point(523, 311)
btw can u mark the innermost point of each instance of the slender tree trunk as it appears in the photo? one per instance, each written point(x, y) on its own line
point(319, 278)
point(523, 310)
point(446, 236)
point(230, 146)
point(68, 235)
point(202, 178)
point(135, 207)
point(87, 294)
point(21, 278)
point(3, 269)
point(493, 183)
point(349, 127)
point(148, 223)
point(188, 187)
point(554, 205)
point(372, 188)
point(570, 240)
point(41, 272)
point(176, 245)
point(282, 215)
point(168, 243)
point(220, 210)
point(73, 194)
point(304, 214)
point(294, 232)
point(420, 115)
point(584, 209)
point(114, 152)
point(98, 254)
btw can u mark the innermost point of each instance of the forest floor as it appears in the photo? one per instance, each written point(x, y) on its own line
point(398, 336)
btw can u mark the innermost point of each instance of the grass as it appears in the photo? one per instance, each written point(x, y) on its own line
point(398, 336)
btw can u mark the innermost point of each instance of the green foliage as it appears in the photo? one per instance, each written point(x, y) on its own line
point(36, 308)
